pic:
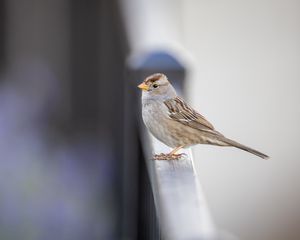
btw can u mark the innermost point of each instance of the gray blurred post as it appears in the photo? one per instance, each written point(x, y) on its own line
point(2, 35)
point(65, 56)
point(37, 44)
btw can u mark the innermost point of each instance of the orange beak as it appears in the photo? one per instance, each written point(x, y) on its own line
point(143, 86)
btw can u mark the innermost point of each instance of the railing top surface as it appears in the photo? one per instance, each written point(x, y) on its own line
point(179, 199)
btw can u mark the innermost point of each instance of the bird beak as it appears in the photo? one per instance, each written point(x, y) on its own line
point(143, 86)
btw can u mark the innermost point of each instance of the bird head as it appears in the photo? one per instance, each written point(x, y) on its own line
point(157, 85)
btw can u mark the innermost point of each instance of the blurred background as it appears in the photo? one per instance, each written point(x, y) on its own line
point(68, 135)
point(246, 82)
point(61, 84)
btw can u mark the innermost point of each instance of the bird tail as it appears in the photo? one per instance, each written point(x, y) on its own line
point(243, 147)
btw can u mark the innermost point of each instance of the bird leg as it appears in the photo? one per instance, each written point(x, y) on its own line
point(175, 150)
point(169, 156)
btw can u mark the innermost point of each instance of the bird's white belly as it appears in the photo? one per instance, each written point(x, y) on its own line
point(155, 116)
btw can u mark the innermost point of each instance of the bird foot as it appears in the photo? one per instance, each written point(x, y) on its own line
point(164, 156)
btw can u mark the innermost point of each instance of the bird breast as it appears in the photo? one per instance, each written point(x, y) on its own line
point(156, 118)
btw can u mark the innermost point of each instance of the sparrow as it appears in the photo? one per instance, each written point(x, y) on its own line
point(172, 121)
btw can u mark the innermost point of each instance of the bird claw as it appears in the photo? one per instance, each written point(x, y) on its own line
point(164, 156)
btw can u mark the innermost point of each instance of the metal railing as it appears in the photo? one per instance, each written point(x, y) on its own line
point(178, 201)
point(171, 203)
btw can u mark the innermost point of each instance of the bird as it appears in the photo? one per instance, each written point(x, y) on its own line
point(172, 121)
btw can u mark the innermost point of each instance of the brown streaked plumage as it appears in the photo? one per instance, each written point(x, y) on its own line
point(175, 123)
point(183, 113)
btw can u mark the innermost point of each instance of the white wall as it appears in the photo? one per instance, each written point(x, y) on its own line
point(247, 83)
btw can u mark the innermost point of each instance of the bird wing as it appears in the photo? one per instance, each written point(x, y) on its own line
point(183, 113)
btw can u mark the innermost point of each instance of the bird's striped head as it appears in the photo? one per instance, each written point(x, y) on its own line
point(153, 82)
point(157, 86)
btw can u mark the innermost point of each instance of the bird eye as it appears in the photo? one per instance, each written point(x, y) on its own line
point(155, 85)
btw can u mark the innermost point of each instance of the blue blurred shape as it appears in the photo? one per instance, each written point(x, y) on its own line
point(156, 60)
